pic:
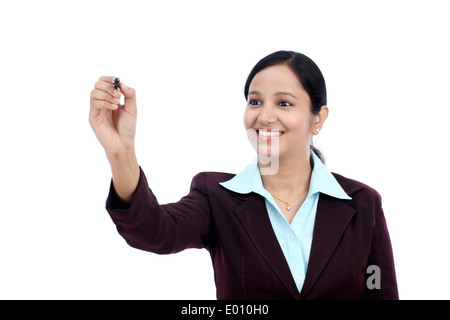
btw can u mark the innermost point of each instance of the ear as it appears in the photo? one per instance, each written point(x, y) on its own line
point(319, 120)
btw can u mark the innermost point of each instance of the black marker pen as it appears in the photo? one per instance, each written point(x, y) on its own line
point(116, 83)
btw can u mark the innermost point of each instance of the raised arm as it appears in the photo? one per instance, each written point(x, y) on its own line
point(115, 128)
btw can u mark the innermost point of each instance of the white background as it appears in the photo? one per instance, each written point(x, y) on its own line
point(386, 64)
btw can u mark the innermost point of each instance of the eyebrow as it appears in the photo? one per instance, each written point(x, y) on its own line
point(280, 93)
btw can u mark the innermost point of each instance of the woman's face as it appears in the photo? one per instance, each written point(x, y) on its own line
point(278, 117)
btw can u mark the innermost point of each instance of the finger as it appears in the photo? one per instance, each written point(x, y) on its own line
point(97, 94)
point(107, 87)
point(107, 84)
point(108, 79)
point(130, 98)
point(102, 104)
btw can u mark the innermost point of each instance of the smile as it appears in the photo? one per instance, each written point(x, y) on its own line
point(268, 134)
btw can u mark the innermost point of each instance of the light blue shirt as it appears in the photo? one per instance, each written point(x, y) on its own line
point(295, 239)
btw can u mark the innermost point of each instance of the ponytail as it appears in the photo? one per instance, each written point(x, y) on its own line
point(318, 153)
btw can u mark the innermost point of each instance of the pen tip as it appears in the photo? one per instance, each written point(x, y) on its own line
point(116, 83)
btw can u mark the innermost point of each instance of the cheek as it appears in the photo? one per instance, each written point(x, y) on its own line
point(296, 123)
point(249, 118)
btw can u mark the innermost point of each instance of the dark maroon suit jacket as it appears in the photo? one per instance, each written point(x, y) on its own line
point(349, 235)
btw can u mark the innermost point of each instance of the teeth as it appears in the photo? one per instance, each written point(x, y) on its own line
point(266, 133)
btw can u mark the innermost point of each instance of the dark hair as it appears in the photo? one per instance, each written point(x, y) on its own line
point(308, 74)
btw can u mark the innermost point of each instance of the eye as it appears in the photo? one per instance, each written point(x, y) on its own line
point(254, 102)
point(284, 104)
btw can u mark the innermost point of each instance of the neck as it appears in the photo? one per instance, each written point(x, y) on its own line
point(293, 176)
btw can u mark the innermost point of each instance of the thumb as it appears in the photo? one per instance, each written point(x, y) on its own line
point(130, 98)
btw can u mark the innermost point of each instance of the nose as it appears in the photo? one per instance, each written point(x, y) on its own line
point(267, 115)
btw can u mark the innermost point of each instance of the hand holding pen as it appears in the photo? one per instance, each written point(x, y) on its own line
point(114, 124)
point(115, 127)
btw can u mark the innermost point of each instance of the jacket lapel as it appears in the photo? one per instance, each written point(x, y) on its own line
point(332, 218)
point(253, 216)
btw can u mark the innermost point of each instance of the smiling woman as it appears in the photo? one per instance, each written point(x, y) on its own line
point(307, 79)
point(299, 232)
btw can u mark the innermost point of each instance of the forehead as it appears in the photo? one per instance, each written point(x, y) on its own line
point(275, 79)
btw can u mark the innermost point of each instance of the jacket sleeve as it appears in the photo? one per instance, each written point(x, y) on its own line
point(163, 229)
point(381, 282)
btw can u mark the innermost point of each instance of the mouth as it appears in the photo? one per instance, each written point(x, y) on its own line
point(268, 134)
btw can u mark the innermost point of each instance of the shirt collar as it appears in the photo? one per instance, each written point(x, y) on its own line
point(322, 180)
